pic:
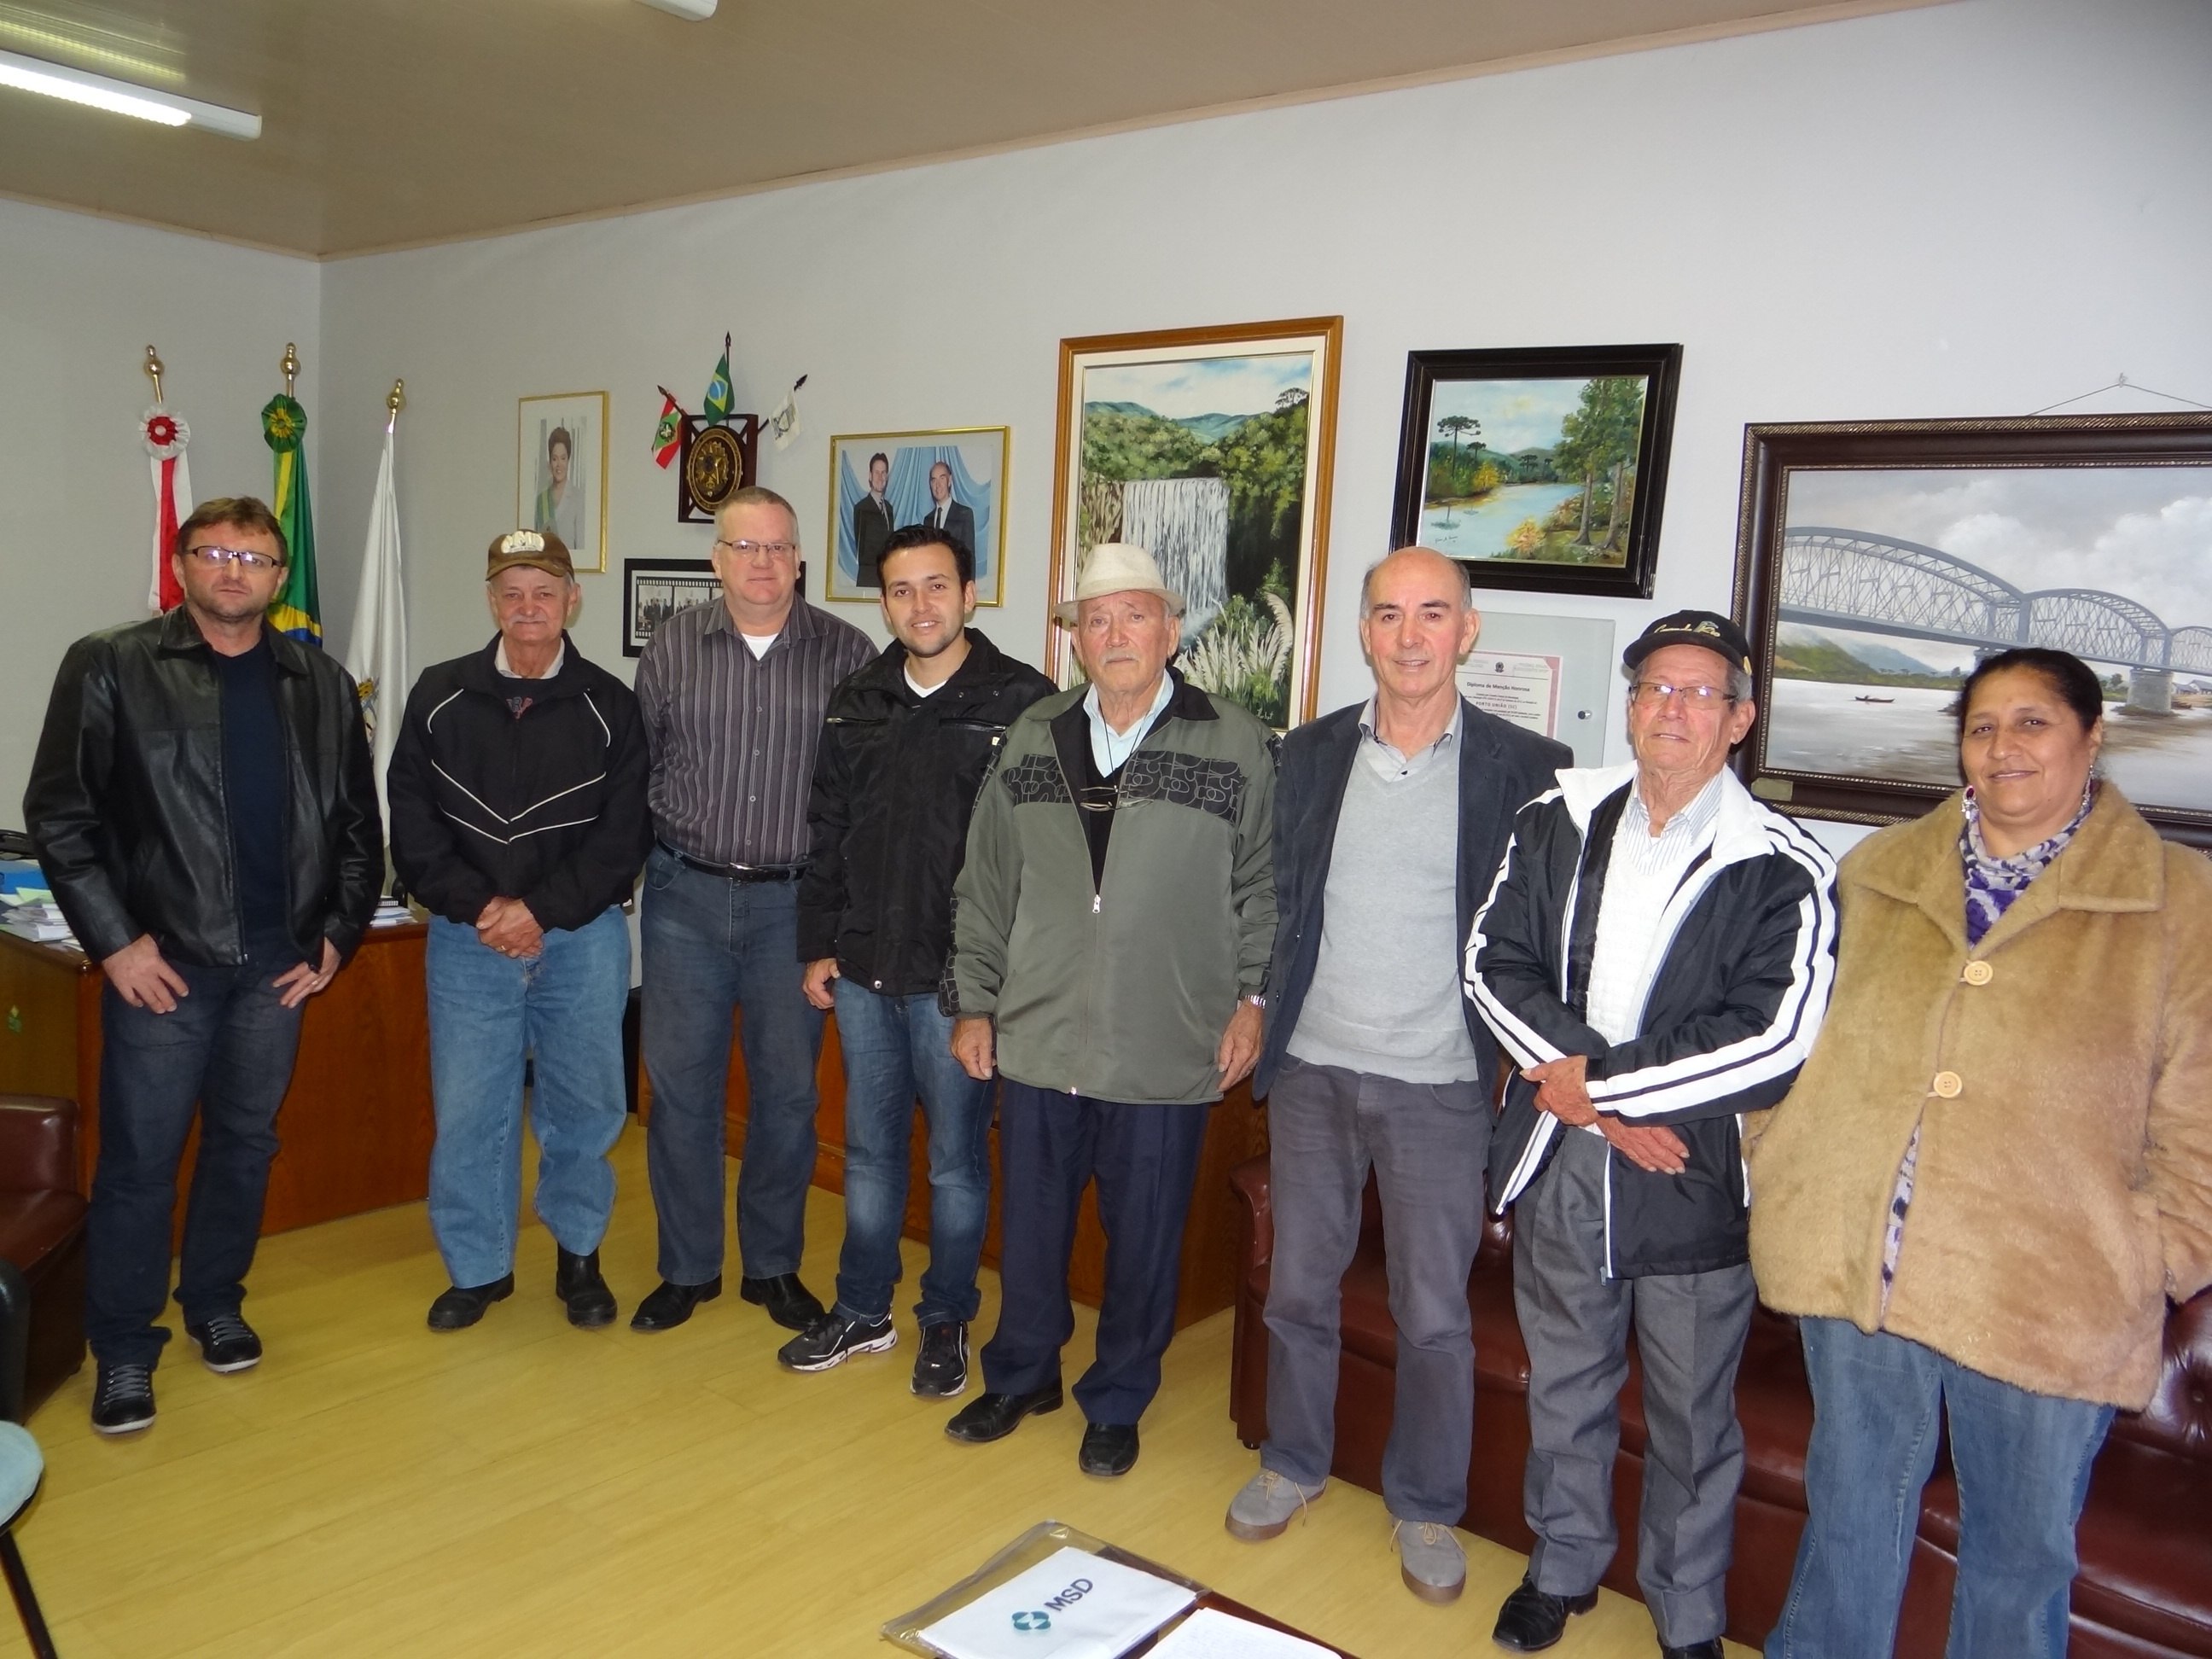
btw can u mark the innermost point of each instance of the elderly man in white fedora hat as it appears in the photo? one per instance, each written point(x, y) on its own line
point(1112, 928)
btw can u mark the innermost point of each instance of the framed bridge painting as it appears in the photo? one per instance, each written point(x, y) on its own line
point(1877, 563)
point(1211, 448)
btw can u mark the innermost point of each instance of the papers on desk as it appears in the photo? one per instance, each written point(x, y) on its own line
point(390, 912)
point(1211, 1634)
point(1071, 1605)
point(43, 923)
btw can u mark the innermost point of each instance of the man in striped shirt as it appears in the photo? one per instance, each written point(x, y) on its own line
point(733, 697)
point(1655, 955)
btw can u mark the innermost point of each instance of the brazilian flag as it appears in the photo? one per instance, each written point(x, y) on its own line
point(717, 405)
point(298, 610)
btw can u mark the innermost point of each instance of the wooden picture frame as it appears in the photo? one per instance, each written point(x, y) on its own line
point(574, 505)
point(1575, 429)
point(1232, 432)
point(972, 462)
point(1877, 561)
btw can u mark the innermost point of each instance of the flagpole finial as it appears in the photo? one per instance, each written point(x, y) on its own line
point(395, 401)
point(290, 365)
point(153, 367)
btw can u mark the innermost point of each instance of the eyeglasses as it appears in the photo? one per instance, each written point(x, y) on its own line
point(211, 557)
point(1650, 694)
point(769, 550)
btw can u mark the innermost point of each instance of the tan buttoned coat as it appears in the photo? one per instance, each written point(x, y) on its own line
point(2060, 1074)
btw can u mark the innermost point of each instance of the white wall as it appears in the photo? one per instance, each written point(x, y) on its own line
point(80, 300)
point(1979, 208)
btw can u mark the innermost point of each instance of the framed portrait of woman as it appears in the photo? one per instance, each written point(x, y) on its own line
point(561, 472)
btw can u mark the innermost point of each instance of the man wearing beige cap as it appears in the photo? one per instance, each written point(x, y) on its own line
point(518, 820)
point(1112, 928)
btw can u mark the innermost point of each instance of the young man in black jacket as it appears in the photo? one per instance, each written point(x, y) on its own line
point(519, 817)
point(905, 748)
point(203, 805)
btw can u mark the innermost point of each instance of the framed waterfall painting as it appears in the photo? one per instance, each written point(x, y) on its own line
point(1212, 449)
point(880, 481)
point(1877, 563)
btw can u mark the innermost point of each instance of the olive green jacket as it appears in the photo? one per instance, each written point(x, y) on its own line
point(1120, 991)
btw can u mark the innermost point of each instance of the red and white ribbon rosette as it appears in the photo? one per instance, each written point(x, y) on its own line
point(165, 437)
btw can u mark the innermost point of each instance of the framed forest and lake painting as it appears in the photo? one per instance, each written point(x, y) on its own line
point(1877, 563)
point(1212, 449)
point(1539, 468)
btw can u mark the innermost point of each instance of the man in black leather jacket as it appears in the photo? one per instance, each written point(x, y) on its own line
point(204, 805)
point(905, 748)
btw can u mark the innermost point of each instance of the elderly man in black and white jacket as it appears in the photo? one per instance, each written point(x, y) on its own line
point(1656, 956)
point(519, 819)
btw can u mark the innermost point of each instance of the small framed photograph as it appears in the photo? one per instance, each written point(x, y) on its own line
point(561, 472)
point(1214, 450)
point(880, 481)
point(1542, 469)
point(1877, 563)
point(654, 590)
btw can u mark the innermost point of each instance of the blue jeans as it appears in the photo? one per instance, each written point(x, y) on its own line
point(2022, 1462)
point(712, 946)
point(487, 1011)
point(229, 1046)
point(895, 1048)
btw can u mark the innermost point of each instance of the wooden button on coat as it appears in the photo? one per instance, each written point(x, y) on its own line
point(1979, 973)
point(1947, 1086)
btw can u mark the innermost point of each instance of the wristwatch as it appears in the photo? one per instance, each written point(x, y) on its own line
point(1258, 999)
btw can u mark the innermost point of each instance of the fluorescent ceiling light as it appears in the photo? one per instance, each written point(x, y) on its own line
point(695, 11)
point(121, 98)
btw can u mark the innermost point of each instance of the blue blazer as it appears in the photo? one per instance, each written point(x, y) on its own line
point(1501, 769)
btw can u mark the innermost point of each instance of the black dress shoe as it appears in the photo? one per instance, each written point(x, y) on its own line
point(671, 1305)
point(459, 1306)
point(1108, 1449)
point(789, 1302)
point(994, 1416)
point(1708, 1648)
point(1533, 1619)
point(576, 1281)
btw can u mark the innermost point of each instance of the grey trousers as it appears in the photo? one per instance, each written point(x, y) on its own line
point(1690, 1330)
point(1427, 1147)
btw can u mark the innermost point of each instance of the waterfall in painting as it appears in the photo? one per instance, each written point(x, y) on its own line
point(1184, 524)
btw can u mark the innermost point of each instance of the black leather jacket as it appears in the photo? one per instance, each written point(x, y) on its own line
point(895, 780)
point(125, 803)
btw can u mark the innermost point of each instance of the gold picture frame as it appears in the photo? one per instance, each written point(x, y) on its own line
point(973, 460)
point(577, 510)
point(1204, 440)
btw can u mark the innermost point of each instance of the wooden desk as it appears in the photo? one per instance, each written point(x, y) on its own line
point(1238, 1130)
point(355, 1125)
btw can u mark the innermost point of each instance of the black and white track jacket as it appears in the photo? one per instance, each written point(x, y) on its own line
point(1746, 966)
point(513, 788)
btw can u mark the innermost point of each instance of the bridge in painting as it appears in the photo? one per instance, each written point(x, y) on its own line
point(1871, 584)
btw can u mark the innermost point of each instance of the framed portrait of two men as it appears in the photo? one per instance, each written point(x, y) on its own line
point(882, 482)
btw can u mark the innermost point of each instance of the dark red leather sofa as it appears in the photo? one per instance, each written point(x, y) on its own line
point(42, 1232)
point(2145, 1585)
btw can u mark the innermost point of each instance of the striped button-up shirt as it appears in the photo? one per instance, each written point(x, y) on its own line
point(733, 737)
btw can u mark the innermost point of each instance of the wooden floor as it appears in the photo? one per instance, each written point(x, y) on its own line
point(523, 1487)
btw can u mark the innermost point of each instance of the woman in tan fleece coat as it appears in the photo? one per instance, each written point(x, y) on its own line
point(1992, 1173)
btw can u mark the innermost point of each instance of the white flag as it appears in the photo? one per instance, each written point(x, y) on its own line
point(377, 653)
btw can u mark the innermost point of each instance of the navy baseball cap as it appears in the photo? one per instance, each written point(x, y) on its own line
point(1709, 628)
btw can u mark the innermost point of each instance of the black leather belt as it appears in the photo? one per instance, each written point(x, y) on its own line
point(734, 871)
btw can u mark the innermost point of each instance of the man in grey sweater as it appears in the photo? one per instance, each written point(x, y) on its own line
point(1391, 818)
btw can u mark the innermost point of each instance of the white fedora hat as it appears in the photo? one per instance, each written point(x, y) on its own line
point(1116, 567)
